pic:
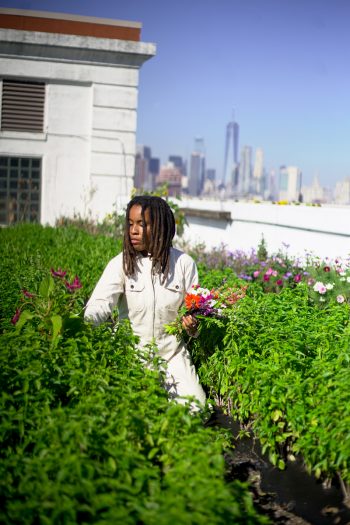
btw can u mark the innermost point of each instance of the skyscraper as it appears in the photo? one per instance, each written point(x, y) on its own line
point(289, 183)
point(197, 168)
point(230, 174)
point(258, 172)
point(245, 171)
point(141, 166)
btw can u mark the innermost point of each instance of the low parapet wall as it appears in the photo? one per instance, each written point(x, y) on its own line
point(323, 231)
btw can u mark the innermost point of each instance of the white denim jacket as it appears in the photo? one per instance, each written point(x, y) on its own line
point(143, 298)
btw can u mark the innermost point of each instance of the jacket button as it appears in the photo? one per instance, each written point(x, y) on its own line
point(177, 287)
point(132, 286)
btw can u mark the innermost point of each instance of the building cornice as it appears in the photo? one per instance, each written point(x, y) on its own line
point(62, 23)
point(73, 48)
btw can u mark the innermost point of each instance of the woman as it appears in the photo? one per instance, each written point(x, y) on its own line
point(148, 282)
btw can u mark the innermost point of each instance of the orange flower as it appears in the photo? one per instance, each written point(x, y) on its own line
point(192, 301)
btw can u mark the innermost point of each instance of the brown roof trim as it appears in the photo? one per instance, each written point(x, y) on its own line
point(46, 22)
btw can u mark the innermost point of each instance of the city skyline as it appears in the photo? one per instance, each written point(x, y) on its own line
point(282, 67)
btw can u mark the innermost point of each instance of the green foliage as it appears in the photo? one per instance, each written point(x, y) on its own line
point(29, 251)
point(283, 369)
point(262, 252)
point(87, 432)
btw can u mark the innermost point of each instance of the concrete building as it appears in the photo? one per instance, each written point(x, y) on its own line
point(68, 88)
point(196, 178)
point(144, 179)
point(289, 183)
point(258, 172)
point(314, 193)
point(342, 192)
point(245, 172)
point(171, 175)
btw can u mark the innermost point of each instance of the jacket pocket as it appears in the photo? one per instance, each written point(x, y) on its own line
point(171, 298)
point(134, 295)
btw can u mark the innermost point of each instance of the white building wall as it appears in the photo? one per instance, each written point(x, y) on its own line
point(88, 144)
point(324, 231)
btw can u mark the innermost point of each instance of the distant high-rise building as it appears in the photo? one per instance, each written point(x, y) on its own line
point(230, 174)
point(143, 178)
point(197, 169)
point(314, 193)
point(178, 162)
point(289, 183)
point(258, 172)
point(245, 171)
point(153, 168)
point(195, 182)
point(210, 174)
point(342, 192)
point(171, 175)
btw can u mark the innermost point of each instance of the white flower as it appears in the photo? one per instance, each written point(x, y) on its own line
point(348, 279)
point(330, 286)
point(340, 298)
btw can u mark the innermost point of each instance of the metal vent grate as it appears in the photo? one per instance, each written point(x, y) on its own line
point(22, 106)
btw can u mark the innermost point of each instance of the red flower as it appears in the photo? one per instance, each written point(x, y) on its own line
point(192, 301)
point(58, 273)
point(74, 285)
point(297, 278)
point(279, 282)
point(266, 277)
point(16, 316)
point(27, 294)
point(326, 269)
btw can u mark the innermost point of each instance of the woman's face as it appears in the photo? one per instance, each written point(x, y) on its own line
point(139, 230)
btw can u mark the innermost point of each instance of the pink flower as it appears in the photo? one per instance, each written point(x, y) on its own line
point(27, 294)
point(297, 278)
point(16, 316)
point(279, 282)
point(320, 287)
point(74, 285)
point(340, 299)
point(269, 271)
point(58, 273)
point(266, 277)
point(256, 273)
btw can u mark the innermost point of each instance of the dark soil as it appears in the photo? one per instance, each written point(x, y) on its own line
point(290, 496)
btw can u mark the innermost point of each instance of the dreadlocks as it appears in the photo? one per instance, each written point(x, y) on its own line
point(161, 235)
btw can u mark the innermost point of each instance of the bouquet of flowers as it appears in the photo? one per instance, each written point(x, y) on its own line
point(203, 303)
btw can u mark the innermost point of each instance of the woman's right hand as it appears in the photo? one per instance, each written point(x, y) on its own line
point(190, 324)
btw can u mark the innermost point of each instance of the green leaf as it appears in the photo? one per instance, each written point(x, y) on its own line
point(46, 286)
point(25, 316)
point(56, 325)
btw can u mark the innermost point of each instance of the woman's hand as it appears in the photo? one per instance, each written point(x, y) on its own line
point(190, 324)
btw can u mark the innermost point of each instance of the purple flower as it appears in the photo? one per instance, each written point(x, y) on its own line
point(58, 273)
point(16, 316)
point(74, 285)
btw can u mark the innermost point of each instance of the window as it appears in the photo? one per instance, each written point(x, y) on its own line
point(20, 189)
point(22, 106)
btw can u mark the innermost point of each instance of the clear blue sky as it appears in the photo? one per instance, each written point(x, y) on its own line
point(282, 65)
